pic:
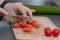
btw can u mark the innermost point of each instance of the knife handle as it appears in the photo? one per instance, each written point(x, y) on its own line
point(1, 16)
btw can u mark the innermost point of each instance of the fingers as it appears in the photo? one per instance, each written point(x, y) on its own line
point(22, 10)
point(24, 13)
point(9, 7)
point(3, 11)
point(30, 14)
point(33, 10)
point(10, 10)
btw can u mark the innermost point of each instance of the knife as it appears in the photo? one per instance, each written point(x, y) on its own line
point(14, 18)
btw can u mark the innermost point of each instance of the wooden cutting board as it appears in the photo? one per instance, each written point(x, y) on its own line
point(37, 34)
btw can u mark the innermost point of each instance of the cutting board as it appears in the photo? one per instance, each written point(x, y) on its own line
point(37, 34)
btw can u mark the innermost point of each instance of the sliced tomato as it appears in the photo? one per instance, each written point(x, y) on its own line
point(27, 29)
point(55, 32)
point(29, 22)
point(47, 31)
point(33, 21)
point(59, 31)
point(15, 25)
point(22, 25)
point(35, 25)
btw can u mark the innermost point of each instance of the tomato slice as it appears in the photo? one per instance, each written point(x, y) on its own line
point(59, 31)
point(29, 22)
point(35, 25)
point(27, 29)
point(33, 21)
point(22, 25)
point(55, 32)
point(15, 25)
point(47, 31)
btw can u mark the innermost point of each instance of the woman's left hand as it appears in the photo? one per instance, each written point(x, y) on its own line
point(11, 8)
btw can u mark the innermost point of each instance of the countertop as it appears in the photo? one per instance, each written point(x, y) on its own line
point(6, 32)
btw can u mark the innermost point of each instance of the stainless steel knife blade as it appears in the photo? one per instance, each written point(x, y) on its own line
point(14, 18)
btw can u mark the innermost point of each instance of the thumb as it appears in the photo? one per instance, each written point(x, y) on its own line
point(33, 10)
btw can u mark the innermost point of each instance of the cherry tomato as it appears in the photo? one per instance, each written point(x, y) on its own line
point(47, 31)
point(22, 25)
point(15, 25)
point(27, 29)
point(55, 32)
point(29, 22)
point(35, 25)
point(33, 21)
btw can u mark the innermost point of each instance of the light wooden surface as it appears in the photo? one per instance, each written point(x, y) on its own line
point(37, 34)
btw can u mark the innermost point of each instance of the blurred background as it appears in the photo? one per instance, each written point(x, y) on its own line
point(39, 2)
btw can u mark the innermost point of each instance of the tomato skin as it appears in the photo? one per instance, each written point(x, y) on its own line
point(55, 32)
point(22, 25)
point(33, 21)
point(59, 31)
point(29, 22)
point(35, 25)
point(15, 25)
point(47, 31)
point(27, 29)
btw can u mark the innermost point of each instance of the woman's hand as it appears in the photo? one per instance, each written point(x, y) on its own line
point(12, 9)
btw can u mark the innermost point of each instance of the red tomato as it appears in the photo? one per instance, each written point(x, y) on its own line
point(47, 31)
point(33, 21)
point(29, 22)
point(55, 32)
point(35, 25)
point(15, 25)
point(27, 29)
point(59, 32)
point(22, 25)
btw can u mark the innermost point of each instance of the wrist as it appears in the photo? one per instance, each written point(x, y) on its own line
point(1, 1)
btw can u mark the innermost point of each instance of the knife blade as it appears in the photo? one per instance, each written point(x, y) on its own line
point(15, 18)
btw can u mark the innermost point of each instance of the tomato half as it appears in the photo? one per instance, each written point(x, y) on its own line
point(22, 25)
point(35, 25)
point(29, 22)
point(55, 32)
point(15, 25)
point(33, 21)
point(28, 28)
